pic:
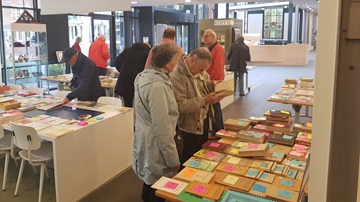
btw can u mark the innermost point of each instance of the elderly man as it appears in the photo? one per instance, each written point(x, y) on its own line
point(99, 53)
point(168, 37)
point(216, 72)
point(85, 82)
point(194, 93)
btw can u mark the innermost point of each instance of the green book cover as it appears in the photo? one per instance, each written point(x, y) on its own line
point(185, 196)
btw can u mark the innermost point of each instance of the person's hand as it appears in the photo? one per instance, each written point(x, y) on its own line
point(65, 101)
point(216, 82)
point(212, 98)
point(175, 168)
point(70, 84)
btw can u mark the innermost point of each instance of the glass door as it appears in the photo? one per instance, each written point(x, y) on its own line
point(182, 37)
point(102, 25)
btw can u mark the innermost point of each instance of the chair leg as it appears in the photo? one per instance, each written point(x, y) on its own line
point(35, 171)
point(16, 163)
point(46, 172)
point(6, 167)
point(42, 168)
point(20, 175)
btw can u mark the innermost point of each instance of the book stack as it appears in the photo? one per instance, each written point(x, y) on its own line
point(201, 164)
point(257, 120)
point(237, 160)
point(26, 108)
point(306, 83)
point(216, 146)
point(253, 150)
point(279, 97)
point(303, 127)
point(237, 125)
point(11, 104)
point(296, 164)
point(11, 115)
point(290, 81)
point(26, 94)
point(278, 116)
point(281, 138)
point(226, 133)
point(304, 138)
point(299, 152)
point(251, 136)
point(308, 93)
point(279, 128)
point(209, 155)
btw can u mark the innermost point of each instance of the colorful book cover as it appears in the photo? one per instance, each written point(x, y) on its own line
point(201, 164)
point(214, 145)
point(209, 155)
point(191, 174)
point(233, 196)
point(169, 185)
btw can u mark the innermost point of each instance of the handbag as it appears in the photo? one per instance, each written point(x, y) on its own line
point(178, 137)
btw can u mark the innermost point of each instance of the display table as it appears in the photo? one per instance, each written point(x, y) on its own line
point(91, 155)
point(296, 104)
point(285, 55)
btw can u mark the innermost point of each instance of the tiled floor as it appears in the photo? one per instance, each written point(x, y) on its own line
point(263, 80)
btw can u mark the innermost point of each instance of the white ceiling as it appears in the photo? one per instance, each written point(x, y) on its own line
point(302, 3)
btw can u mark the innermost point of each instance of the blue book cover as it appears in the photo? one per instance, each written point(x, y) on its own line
point(232, 196)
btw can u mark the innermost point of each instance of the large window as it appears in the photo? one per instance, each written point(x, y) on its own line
point(18, 3)
point(80, 26)
point(119, 32)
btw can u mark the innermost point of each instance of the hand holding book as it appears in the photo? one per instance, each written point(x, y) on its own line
point(213, 98)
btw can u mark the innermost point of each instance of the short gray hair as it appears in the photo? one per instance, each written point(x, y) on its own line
point(210, 31)
point(201, 53)
point(162, 54)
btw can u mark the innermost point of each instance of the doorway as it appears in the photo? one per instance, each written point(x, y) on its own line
point(102, 25)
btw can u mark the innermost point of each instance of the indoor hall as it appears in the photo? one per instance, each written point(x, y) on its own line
point(263, 80)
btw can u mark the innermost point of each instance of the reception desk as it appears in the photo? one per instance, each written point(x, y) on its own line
point(284, 55)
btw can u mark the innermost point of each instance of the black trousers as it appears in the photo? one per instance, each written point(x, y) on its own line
point(101, 71)
point(219, 122)
point(128, 101)
point(148, 194)
point(193, 142)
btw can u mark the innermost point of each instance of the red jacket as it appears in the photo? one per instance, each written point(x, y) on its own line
point(99, 53)
point(216, 70)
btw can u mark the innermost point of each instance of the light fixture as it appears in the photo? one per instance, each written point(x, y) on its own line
point(187, 1)
point(134, 2)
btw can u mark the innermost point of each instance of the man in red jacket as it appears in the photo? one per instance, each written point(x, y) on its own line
point(99, 53)
point(216, 72)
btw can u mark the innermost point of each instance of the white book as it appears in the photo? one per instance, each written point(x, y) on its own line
point(37, 125)
point(169, 185)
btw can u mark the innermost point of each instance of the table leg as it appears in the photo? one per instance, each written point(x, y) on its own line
point(297, 109)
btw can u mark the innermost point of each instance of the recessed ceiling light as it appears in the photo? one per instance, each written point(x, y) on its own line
point(134, 2)
point(187, 1)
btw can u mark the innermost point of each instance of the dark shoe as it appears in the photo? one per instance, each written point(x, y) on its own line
point(242, 94)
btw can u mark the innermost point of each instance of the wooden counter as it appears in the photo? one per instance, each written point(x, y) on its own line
point(284, 55)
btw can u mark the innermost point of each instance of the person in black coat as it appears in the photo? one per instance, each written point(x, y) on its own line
point(129, 63)
point(85, 82)
point(238, 55)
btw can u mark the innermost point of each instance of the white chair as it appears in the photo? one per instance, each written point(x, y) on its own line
point(34, 151)
point(5, 148)
point(15, 87)
point(38, 91)
point(110, 101)
point(61, 94)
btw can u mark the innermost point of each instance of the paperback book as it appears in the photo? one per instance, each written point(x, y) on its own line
point(254, 150)
point(251, 136)
point(299, 152)
point(234, 181)
point(242, 197)
point(294, 163)
point(169, 185)
point(216, 146)
point(209, 155)
point(231, 168)
point(237, 125)
point(281, 138)
point(281, 194)
point(201, 164)
point(237, 160)
point(209, 191)
point(304, 138)
point(226, 133)
point(189, 174)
